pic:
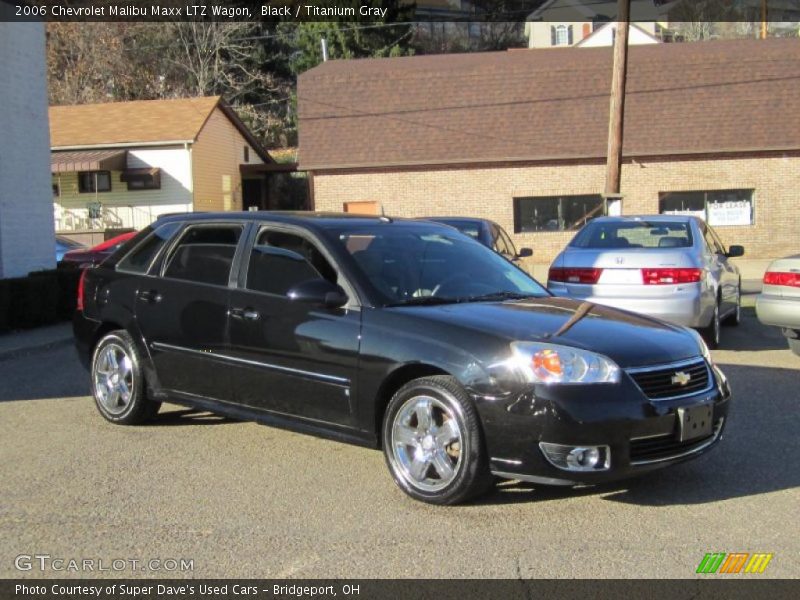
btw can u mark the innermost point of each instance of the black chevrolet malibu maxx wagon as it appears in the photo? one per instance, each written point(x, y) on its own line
point(402, 334)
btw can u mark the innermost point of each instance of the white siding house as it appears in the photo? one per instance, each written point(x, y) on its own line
point(118, 166)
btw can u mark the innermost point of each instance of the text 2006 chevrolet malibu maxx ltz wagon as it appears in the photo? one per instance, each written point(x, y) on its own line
point(401, 334)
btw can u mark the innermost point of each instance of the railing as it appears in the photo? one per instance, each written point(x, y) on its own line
point(111, 217)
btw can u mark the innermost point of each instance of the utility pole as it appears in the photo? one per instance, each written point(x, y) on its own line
point(763, 19)
point(617, 111)
point(324, 43)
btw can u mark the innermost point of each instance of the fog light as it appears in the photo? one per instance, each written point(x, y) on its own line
point(577, 458)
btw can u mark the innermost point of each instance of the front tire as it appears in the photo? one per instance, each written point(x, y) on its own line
point(118, 384)
point(433, 443)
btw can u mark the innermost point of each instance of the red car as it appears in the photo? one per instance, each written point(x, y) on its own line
point(96, 254)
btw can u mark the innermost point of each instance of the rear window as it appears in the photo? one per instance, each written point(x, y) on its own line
point(634, 234)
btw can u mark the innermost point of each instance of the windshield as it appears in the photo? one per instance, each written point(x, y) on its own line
point(430, 265)
point(634, 234)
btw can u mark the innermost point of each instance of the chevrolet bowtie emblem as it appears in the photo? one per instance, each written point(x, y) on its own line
point(681, 378)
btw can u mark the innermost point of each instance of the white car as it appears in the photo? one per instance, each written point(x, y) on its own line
point(778, 304)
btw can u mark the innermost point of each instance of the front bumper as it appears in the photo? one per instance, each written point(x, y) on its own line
point(682, 306)
point(641, 434)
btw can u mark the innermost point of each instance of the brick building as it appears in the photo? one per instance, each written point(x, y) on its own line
point(519, 137)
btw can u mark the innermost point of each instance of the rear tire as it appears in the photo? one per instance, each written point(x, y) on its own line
point(433, 442)
point(711, 333)
point(736, 317)
point(118, 384)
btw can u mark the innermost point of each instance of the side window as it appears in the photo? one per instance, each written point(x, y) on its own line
point(718, 241)
point(498, 243)
point(512, 250)
point(140, 259)
point(204, 254)
point(711, 243)
point(281, 260)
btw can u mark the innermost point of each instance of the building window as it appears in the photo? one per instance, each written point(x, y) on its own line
point(56, 191)
point(561, 35)
point(90, 182)
point(716, 207)
point(247, 154)
point(556, 213)
point(142, 179)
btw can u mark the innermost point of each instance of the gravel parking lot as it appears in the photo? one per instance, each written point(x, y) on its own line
point(244, 500)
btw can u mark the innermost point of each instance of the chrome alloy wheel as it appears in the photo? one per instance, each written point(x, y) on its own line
point(426, 444)
point(113, 379)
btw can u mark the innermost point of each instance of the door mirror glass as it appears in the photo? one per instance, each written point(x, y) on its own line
point(525, 253)
point(318, 291)
point(734, 251)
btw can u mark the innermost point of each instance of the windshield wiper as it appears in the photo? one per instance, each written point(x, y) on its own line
point(498, 296)
point(424, 301)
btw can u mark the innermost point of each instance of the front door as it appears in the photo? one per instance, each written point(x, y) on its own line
point(291, 358)
point(183, 312)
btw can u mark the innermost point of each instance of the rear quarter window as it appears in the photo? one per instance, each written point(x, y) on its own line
point(142, 256)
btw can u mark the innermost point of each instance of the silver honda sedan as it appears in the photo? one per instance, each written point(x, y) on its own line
point(667, 266)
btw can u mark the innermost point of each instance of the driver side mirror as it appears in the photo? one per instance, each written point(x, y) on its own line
point(524, 253)
point(734, 251)
point(320, 292)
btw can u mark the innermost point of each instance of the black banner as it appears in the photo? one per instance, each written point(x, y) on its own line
point(731, 588)
point(589, 11)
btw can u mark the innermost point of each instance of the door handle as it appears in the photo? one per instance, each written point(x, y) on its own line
point(245, 314)
point(151, 296)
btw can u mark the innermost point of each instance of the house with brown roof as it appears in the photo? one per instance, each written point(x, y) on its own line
point(118, 166)
point(711, 128)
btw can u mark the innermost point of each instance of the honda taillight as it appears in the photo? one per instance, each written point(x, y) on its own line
point(666, 276)
point(778, 278)
point(81, 286)
point(574, 275)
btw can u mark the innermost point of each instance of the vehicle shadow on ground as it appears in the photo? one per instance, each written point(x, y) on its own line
point(754, 457)
point(187, 416)
point(751, 335)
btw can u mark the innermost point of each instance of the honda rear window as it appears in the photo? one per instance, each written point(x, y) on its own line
point(634, 234)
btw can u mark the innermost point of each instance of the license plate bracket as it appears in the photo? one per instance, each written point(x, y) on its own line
point(695, 422)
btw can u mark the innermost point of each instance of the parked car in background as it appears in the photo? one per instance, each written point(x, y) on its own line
point(64, 245)
point(778, 304)
point(89, 257)
point(666, 266)
point(488, 233)
point(401, 334)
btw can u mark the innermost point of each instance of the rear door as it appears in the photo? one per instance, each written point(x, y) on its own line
point(292, 358)
point(183, 311)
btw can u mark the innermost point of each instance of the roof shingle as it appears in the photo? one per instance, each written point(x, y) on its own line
point(140, 121)
point(528, 105)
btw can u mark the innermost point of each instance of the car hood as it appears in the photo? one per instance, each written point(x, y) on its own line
point(629, 339)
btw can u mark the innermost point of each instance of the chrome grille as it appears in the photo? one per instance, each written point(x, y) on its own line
point(673, 381)
point(667, 447)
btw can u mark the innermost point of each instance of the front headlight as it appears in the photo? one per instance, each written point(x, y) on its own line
point(551, 363)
